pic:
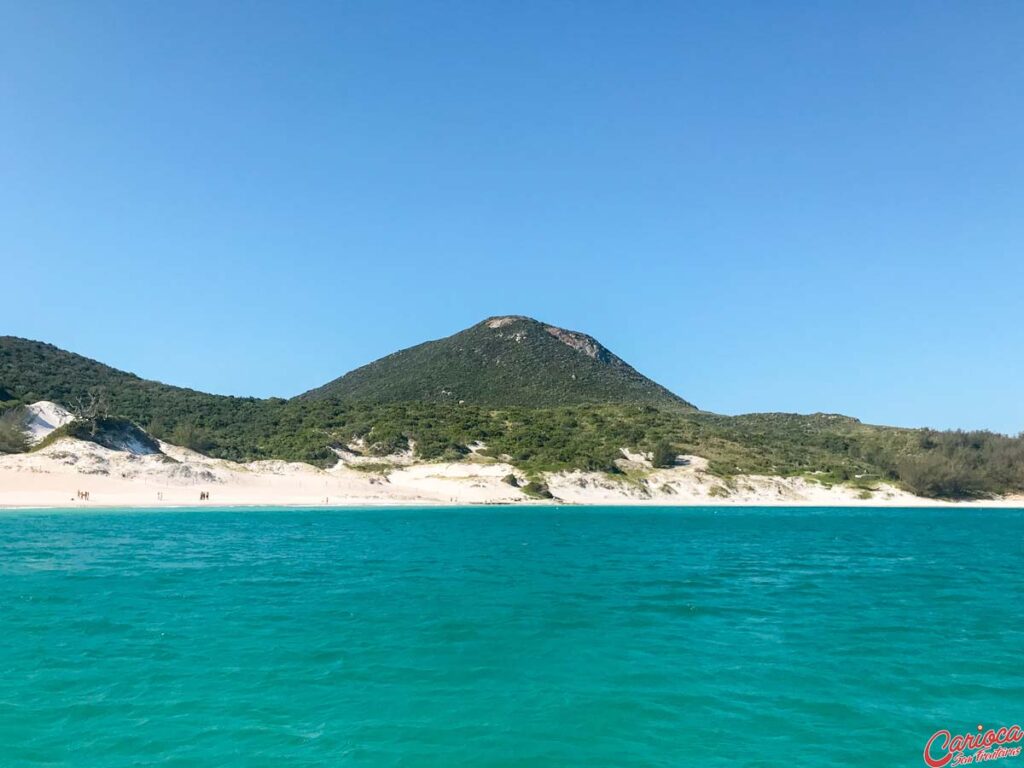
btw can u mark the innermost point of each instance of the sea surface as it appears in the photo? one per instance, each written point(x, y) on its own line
point(506, 637)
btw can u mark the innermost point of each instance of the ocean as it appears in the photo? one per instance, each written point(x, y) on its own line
point(506, 636)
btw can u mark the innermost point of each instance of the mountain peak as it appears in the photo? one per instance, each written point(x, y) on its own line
point(500, 321)
point(504, 360)
point(581, 342)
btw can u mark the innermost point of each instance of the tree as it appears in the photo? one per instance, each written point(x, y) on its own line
point(188, 435)
point(13, 431)
point(92, 408)
point(932, 474)
point(663, 455)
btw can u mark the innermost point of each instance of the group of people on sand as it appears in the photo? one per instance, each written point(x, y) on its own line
point(82, 495)
point(204, 495)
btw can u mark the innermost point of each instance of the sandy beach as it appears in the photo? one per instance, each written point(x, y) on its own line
point(53, 476)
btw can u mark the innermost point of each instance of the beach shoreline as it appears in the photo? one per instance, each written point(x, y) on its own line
point(57, 476)
point(384, 505)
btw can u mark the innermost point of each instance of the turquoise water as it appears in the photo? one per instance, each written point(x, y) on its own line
point(505, 637)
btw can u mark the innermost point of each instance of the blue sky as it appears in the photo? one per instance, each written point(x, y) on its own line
point(764, 206)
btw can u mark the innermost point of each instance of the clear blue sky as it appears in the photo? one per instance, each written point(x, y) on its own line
point(764, 206)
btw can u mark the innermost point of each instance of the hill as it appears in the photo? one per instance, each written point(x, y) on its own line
point(536, 437)
point(502, 361)
point(33, 370)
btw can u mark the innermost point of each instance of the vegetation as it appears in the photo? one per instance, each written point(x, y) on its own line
point(13, 437)
point(961, 464)
point(589, 436)
point(663, 455)
point(502, 361)
point(108, 431)
point(537, 490)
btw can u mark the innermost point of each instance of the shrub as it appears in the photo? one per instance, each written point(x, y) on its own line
point(663, 455)
point(935, 475)
point(537, 490)
point(13, 435)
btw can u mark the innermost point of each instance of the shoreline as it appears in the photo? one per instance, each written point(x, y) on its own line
point(173, 478)
point(386, 503)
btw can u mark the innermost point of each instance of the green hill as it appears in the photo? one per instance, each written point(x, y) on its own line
point(565, 423)
point(33, 370)
point(502, 361)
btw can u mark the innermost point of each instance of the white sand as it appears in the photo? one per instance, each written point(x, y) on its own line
point(43, 418)
point(52, 476)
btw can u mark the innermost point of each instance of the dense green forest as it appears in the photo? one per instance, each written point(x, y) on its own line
point(828, 448)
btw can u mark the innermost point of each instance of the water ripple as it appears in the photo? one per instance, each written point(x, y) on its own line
point(524, 637)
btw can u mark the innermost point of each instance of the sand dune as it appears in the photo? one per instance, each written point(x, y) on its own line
point(43, 418)
point(52, 476)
